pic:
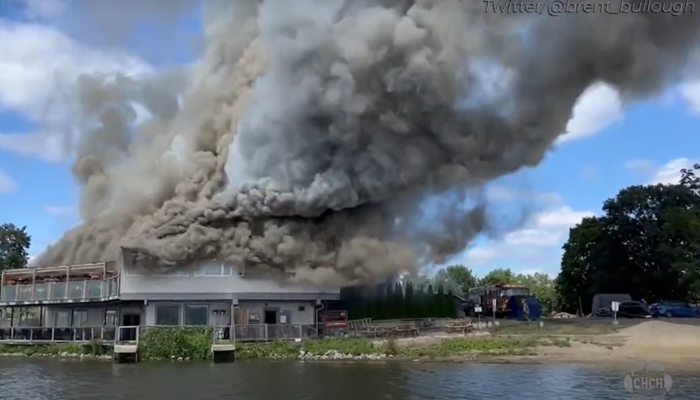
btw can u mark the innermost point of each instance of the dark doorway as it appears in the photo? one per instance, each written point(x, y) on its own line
point(130, 323)
point(270, 317)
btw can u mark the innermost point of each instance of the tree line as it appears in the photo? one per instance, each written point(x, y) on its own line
point(398, 301)
point(646, 243)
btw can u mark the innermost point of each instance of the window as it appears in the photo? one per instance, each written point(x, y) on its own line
point(62, 319)
point(516, 292)
point(111, 317)
point(196, 315)
point(210, 269)
point(167, 315)
point(80, 318)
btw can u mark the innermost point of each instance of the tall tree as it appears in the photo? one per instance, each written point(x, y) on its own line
point(14, 246)
point(457, 279)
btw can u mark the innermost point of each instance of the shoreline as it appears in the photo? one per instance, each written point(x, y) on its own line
point(675, 346)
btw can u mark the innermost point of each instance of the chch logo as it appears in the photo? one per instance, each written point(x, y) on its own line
point(648, 381)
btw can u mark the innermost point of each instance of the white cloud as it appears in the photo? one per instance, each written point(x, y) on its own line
point(669, 173)
point(38, 72)
point(599, 106)
point(530, 246)
point(7, 184)
point(690, 92)
point(60, 210)
point(639, 165)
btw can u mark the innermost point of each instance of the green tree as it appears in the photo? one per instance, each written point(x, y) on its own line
point(499, 276)
point(646, 244)
point(456, 278)
point(431, 307)
point(14, 246)
point(542, 287)
point(410, 302)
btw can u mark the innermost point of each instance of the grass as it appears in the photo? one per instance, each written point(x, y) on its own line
point(446, 348)
point(93, 349)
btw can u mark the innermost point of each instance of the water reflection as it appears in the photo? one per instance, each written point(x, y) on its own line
point(71, 380)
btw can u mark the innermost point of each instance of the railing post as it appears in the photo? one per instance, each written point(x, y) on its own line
point(53, 334)
point(265, 335)
point(84, 289)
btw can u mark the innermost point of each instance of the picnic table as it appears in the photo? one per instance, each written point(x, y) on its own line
point(406, 330)
point(463, 326)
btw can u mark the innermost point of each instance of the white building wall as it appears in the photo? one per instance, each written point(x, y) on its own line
point(229, 281)
point(307, 316)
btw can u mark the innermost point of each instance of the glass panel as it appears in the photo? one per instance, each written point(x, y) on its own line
point(80, 318)
point(111, 317)
point(196, 315)
point(58, 290)
point(41, 291)
point(167, 315)
point(94, 289)
point(9, 292)
point(62, 319)
point(75, 290)
point(210, 269)
point(25, 292)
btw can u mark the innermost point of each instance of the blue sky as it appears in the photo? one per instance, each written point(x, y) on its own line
point(609, 146)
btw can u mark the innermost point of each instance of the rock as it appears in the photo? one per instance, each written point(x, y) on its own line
point(172, 357)
point(179, 358)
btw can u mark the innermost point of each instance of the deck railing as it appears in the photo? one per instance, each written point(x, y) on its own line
point(52, 291)
point(132, 334)
point(39, 335)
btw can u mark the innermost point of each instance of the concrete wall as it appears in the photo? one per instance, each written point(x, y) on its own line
point(203, 284)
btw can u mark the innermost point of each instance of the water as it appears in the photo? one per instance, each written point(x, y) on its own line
point(266, 380)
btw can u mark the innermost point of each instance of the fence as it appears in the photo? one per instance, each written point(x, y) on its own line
point(73, 290)
point(39, 335)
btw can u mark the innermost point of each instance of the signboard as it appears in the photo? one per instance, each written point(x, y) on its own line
point(615, 306)
point(477, 309)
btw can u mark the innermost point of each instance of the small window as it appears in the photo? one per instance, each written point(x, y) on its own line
point(210, 269)
point(167, 315)
point(302, 308)
point(196, 315)
point(80, 318)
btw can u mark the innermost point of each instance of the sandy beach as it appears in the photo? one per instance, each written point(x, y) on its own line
point(672, 344)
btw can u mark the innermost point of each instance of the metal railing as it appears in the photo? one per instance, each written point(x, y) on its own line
point(39, 335)
point(132, 334)
point(266, 332)
point(71, 290)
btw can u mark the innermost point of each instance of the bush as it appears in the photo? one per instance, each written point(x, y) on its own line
point(193, 343)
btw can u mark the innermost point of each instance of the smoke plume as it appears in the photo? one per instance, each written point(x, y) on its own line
point(311, 132)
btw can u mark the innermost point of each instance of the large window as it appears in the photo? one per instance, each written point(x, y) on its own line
point(111, 317)
point(213, 269)
point(167, 315)
point(196, 315)
point(62, 319)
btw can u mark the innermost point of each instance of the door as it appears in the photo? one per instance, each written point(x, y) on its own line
point(130, 323)
point(270, 320)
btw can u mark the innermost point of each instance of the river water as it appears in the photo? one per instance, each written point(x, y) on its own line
point(267, 380)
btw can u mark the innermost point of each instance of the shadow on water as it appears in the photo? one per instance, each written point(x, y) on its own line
point(71, 380)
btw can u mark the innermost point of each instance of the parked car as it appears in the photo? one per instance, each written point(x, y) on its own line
point(627, 309)
point(670, 309)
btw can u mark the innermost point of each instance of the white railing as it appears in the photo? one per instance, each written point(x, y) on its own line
point(52, 291)
point(267, 332)
point(38, 335)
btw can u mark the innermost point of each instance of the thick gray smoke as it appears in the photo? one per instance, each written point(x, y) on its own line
point(311, 132)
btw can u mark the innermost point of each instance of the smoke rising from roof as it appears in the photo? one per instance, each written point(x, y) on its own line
point(311, 132)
